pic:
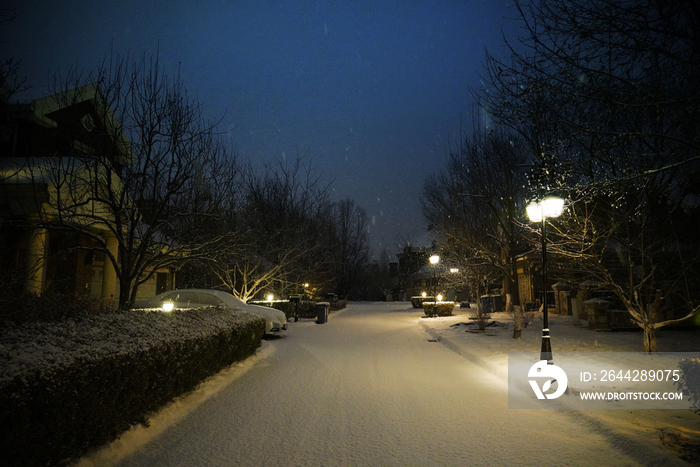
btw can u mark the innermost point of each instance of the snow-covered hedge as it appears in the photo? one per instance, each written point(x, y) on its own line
point(338, 305)
point(68, 386)
point(442, 309)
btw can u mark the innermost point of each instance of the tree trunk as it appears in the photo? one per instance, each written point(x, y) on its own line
point(650, 339)
point(517, 318)
point(125, 292)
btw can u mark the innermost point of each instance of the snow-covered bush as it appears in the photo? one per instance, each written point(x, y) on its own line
point(22, 308)
point(338, 305)
point(689, 381)
point(442, 309)
point(95, 377)
point(481, 316)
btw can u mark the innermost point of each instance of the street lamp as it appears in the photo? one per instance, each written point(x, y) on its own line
point(434, 260)
point(539, 212)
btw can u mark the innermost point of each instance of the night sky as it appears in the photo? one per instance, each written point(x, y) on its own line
point(370, 92)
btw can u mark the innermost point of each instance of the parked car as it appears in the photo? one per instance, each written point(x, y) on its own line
point(276, 321)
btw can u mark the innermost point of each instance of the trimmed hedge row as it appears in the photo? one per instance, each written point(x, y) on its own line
point(443, 308)
point(338, 305)
point(60, 412)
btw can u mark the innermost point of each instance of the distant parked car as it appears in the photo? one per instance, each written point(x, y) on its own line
point(276, 320)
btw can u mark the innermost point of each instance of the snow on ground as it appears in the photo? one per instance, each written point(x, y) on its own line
point(367, 389)
point(140, 435)
point(490, 348)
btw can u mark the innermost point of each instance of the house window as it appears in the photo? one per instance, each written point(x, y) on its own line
point(161, 282)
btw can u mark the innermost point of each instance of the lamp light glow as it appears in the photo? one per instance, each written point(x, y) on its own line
point(534, 212)
point(552, 207)
point(548, 207)
point(168, 306)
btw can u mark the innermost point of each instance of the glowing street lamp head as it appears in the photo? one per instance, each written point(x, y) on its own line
point(270, 297)
point(439, 298)
point(548, 207)
point(424, 294)
point(534, 212)
point(434, 259)
point(168, 306)
point(552, 206)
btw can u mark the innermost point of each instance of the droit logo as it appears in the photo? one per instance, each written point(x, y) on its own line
point(554, 373)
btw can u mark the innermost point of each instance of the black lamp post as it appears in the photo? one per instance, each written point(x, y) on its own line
point(539, 212)
point(434, 260)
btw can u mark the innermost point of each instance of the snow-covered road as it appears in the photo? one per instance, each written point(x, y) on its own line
point(369, 388)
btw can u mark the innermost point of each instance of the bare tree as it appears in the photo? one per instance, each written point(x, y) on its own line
point(136, 169)
point(474, 203)
point(607, 90)
point(638, 240)
point(350, 243)
point(281, 226)
point(10, 81)
point(595, 75)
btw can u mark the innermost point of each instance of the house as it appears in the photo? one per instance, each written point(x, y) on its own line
point(45, 146)
point(529, 270)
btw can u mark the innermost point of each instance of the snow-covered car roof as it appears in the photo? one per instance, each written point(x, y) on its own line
point(193, 298)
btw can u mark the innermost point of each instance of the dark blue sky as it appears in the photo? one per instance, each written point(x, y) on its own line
point(371, 92)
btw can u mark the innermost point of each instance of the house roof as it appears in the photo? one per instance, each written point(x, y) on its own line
point(83, 114)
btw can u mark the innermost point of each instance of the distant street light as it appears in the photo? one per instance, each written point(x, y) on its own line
point(434, 260)
point(539, 212)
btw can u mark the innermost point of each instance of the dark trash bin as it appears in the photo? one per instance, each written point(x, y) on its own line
point(295, 299)
point(322, 309)
point(491, 303)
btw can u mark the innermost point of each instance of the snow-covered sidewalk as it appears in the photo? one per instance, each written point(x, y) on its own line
point(489, 349)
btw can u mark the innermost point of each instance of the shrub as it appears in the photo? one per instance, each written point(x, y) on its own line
point(338, 305)
point(22, 308)
point(442, 309)
point(111, 372)
point(689, 381)
point(480, 316)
